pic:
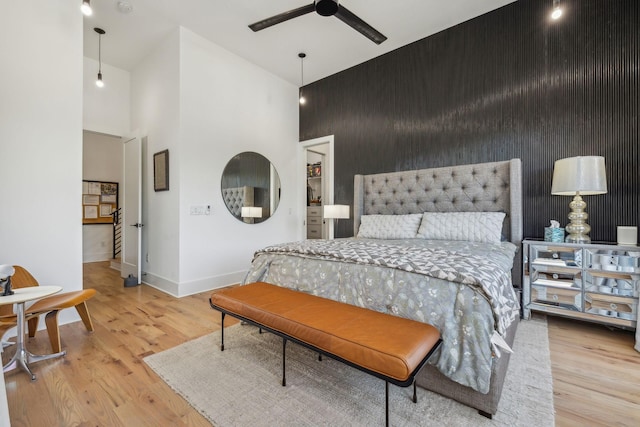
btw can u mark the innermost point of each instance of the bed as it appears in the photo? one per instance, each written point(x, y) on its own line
point(435, 245)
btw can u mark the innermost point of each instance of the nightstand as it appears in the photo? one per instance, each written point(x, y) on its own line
point(596, 282)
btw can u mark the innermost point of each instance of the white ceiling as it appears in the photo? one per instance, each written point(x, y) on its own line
point(331, 45)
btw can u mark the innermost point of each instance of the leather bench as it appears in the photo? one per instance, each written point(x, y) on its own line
point(388, 347)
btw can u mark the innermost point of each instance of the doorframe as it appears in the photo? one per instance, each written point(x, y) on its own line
point(327, 171)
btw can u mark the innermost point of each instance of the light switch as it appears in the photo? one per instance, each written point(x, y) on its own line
point(197, 210)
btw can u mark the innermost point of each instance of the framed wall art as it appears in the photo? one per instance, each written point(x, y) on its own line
point(99, 201)
point(161, 171)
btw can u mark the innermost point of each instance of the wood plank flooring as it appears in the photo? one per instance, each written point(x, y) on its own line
point(104, 382)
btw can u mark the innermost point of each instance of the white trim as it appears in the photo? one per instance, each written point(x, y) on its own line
point(327, 173)
point(184, 289)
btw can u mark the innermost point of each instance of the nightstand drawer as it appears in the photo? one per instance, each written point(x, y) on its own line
point(314, 211)
point(551, 255)
point(570, 298)
point(557, 277)
point(611, 306)
point(620, 284)
point(613, 260)
point(314, 220)
point(314, 231)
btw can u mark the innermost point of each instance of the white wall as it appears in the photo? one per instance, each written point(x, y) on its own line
point(107, 109)
point(155, 87)
point(41, 141)
point(228, 106)
point(206, 105)
point(102, 161)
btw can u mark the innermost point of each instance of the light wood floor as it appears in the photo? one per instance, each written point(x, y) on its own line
point(104, 382)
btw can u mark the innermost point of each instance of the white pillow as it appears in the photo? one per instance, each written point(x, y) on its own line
point(389, 226)
point(470, 226)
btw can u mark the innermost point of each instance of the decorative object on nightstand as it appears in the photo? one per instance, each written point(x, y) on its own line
point(336, 212)
point(627, 235)
point(554, 233)
point(579, 176)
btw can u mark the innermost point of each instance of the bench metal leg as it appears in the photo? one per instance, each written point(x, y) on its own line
point(415, 395)
point(222, 332)
point(386, 405)
point(284, 348)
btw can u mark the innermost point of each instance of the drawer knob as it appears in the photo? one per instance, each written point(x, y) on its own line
point(554, 297)
point(554, 255)
point(613, 306)
point(555, 275)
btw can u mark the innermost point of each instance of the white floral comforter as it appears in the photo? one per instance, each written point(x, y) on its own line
point(462, 288)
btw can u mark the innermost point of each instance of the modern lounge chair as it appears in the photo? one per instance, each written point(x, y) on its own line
point(49, 306)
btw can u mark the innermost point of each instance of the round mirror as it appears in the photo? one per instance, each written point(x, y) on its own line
point(250, 187)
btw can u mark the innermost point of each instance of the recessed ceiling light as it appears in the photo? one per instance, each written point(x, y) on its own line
point(125, 7)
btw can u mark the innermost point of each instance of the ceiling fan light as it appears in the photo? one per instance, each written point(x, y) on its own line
point(86, 7)
point(326, 7)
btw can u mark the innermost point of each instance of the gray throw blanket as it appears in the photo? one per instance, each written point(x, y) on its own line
point(481, 273)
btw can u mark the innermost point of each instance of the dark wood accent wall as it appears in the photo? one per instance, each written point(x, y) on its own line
point(510, 83)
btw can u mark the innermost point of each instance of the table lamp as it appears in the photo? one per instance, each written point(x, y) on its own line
point(251, 212)
point(335, 212)
point(579, 176)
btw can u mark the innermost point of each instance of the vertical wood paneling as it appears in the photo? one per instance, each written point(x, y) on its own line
point(510, 83)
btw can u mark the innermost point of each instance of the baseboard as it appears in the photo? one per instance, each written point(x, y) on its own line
point(184, 289)
point(97, 257)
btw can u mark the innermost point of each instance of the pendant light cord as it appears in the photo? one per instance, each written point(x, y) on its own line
point(99, 53)
point(301, 55)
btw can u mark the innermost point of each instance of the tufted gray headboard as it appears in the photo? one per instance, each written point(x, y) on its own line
point(481, 187)
point(237, 197)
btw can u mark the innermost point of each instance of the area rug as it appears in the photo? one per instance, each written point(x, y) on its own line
point(241, 386)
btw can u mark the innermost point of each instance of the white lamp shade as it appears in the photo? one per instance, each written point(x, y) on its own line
point(6, 271)
point(584, 174)
point(336, 211)
point(251, 212)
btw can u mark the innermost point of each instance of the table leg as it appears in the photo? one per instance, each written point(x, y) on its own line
point(22, 356)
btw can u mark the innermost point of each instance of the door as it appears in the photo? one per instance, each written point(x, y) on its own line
point(324, 146)
point(132, 209)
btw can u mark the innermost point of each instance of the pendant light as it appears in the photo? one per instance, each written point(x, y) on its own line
point(557, 10)
point(100, 32)
point(302, 55)
point(86, 7)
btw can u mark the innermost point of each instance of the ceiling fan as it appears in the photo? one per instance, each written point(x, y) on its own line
point(324, 8)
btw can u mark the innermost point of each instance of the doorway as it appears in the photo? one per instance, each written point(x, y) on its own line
point(316, 185)
point(101, 161)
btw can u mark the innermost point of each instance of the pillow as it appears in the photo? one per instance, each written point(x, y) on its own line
point(389, 226)
point(470, 226)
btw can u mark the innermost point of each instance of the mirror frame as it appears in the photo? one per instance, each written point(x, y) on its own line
point(248, 181)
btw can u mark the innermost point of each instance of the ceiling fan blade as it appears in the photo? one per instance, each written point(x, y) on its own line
point(294, 13)
point(359, 25)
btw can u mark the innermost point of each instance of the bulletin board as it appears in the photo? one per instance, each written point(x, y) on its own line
point(99, 201)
